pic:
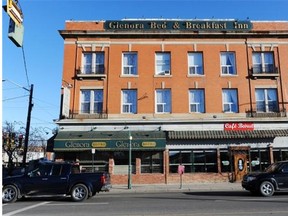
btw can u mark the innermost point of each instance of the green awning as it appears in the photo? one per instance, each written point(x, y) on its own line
point(116, 140)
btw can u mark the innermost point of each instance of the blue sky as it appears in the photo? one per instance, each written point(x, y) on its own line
point(43, 46)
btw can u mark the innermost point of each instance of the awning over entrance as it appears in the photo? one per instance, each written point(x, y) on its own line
point(117, 140)
point(255, 134)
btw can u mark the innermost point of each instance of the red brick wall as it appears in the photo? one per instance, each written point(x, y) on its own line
point(172, 178)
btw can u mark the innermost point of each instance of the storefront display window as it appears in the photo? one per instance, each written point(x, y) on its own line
point(121, 162)
point(280, 154)
point(152, 162)
point(259, 159)
point(225, 161)
point(194, 161)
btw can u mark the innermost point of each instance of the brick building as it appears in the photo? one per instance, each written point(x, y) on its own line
point(208, 94)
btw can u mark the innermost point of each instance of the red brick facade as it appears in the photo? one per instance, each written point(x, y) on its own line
point(260, 96)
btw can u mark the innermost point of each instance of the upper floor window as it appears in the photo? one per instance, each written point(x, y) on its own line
point(263, 62)
point(129, 63)
point(195, 63)
point(266, 100)
point(129, 101)
point(196, 100)
point(163, 101)
point(91, 101)
point(228, 66)
point(163, 64)
point(230, 100)
point(93, 63)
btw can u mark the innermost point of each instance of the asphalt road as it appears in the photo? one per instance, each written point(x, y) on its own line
point(219, 203)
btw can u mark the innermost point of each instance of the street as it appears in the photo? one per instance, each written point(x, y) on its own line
point(157, 204)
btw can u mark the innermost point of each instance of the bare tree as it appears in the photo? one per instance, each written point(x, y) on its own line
point(13, 134)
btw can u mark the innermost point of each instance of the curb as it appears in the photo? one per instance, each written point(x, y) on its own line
point(196, 187)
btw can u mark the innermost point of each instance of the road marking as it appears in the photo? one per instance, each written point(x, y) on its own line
point(74, 204)
point(24, 209)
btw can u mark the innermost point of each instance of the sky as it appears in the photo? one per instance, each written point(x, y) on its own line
point(40, 60)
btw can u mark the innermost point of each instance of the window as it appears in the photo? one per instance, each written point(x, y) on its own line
point(163, 64)
point(196, 100)
point(230, 100)
point(263, 62)
point(91, 101)
point(228, 63)
point(194, 161)
point(121, 161)
point(266, 100)
point(152, 162)
point(195, 64)
point(163, 101)
point(280, 154)
point(93, 63)
point(129, 63)
point(259, 159)
point(129, 101)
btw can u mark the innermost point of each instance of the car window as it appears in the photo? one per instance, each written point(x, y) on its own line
point(42, 170)
point(285, 168)
point(56, 170)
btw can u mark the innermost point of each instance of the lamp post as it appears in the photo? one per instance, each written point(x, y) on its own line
point(130, 158)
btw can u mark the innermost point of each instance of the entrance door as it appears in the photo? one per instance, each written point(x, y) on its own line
point(240, 157)
point(240, 165)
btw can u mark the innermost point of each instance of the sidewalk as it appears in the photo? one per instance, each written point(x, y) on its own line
point(142, 188)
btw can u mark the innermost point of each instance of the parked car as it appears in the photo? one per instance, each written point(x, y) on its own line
point(274, 178)
point(46, 178)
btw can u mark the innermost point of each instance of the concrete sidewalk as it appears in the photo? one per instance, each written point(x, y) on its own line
point(141, 188)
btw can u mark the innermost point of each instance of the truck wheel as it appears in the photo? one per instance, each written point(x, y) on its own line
point(267, 188)
point(9, 194)
point(79, 193)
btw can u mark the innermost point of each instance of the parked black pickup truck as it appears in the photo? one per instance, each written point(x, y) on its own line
point(46, 178)
point(275, 178)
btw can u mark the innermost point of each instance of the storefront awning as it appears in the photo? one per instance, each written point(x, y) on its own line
point(116, 140)
point(255, 134)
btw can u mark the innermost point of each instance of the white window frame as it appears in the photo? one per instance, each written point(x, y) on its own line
point(195, 68)
point(163, 61)
point(197, 105)
point(163, 104)
point(228, 103)
point(91, 101)
point(263, 66)
point(266, 100)
point(93, 65)
point(225, 68)
point(128, 105)
point(129, 66)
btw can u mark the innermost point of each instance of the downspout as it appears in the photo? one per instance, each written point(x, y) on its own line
point(281, 84)
point(249, 79)
point(75, 78)
point(107, 79)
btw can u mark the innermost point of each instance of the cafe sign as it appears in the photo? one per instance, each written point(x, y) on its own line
point(240, 126)
point(185, 25)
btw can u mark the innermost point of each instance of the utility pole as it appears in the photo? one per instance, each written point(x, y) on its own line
point(28, 126)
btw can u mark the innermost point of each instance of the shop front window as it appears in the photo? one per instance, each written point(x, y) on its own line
point(280, 154)
point(259, 159)
point(121, 161)
point(225, 161)
point(152, 162)
point(194, 161)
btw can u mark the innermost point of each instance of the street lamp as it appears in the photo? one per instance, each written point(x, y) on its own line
point(130, 157)
point(93, 153)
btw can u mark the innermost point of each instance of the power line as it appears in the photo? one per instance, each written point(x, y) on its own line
point(25, 65)
point(7, 99)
